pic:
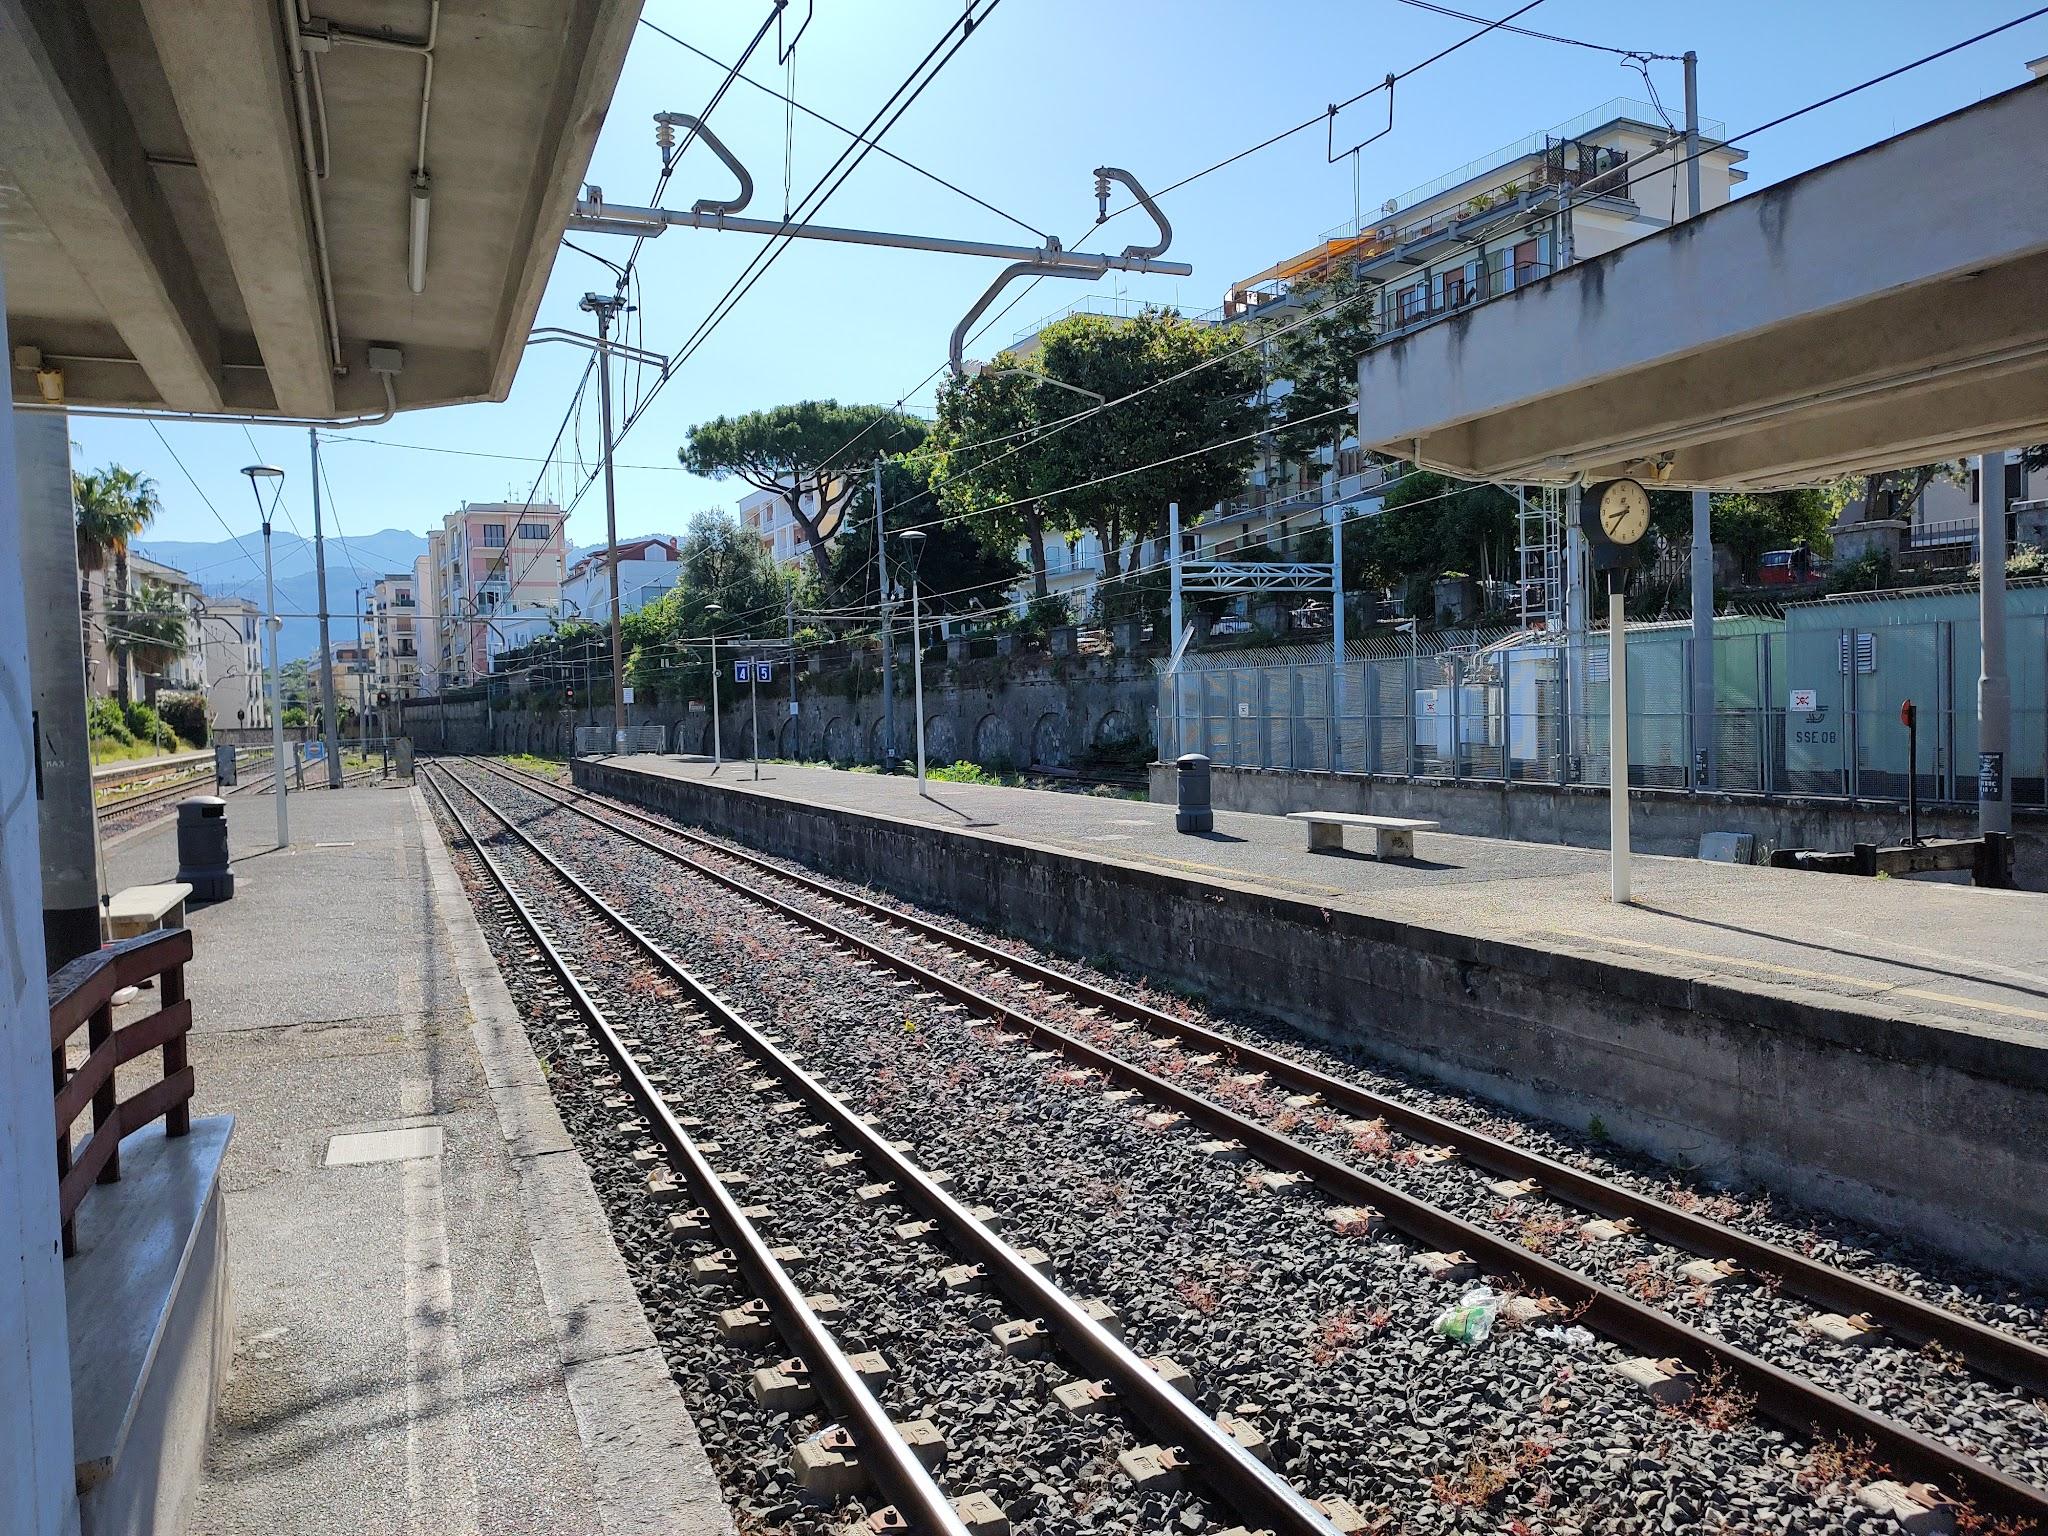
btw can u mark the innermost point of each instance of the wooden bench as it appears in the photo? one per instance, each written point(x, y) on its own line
point(1394, 836)
point(145, 908)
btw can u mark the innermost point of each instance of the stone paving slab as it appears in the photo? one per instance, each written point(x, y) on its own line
point(1941, 955)
point(433, 1343)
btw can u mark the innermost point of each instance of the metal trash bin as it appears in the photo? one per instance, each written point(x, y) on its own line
point(1192, 794)
point(203, 848)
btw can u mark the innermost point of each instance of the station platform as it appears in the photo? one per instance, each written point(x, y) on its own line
point(1944, 956)
point(433, 1330)
point(1873, 1047)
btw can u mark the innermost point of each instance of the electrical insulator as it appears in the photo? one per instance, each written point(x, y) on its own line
point(1101, 197)
point(665, 138)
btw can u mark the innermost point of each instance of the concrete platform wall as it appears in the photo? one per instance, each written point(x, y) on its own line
point(1663, 821)
point(1929, 1132)
point(1060, 713)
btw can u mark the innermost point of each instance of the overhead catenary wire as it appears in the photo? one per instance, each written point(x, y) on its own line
point(915, 83)
point(790, 100)
point(1268, 142)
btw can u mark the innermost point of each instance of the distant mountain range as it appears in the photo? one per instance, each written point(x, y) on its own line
point(224, 570)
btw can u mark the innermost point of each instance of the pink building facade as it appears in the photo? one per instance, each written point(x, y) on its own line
point(498, 569)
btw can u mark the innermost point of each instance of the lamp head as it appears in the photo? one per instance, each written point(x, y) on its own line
point(913, 548)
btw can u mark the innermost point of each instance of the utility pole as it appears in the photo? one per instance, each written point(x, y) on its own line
point(789, 631)
point(1704, 746)
point(913, 544)
point(258, 473)
point(754, 708)
point(605, 309)
point(888, 638)
point(327, 727)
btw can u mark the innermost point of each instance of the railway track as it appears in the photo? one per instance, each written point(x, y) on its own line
point(183, 781)
point(1044, 1431)
point(1470, 1193)
point(122, 814)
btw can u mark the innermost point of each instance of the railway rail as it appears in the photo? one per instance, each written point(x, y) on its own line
point(160, 798)
point(1125, 1026)
point(1140, 1389)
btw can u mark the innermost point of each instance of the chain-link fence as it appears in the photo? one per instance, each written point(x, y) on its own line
point(597, 740)
point(364, 759)
point(1528, 711)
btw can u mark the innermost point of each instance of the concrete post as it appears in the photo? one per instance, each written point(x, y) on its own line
point(38, 1494)
point(1617, 743)
point(917, 676)
point(1336, 618)
point(327, 730)
point(56, 664)
point(1574, 630)
point(888, 635)
point(1703, 743)
point(1174, 604)
point(1994, 688)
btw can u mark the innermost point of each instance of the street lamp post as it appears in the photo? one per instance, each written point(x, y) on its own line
point(257, 474)
point(913, 552)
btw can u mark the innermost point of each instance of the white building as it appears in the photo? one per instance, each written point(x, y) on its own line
point(231, 638)
point(648, 568)
point(767, 514)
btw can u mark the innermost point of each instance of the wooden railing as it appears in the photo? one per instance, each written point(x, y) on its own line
point(82, 995)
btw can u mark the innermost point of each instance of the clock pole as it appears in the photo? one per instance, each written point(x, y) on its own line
point(1617, 740)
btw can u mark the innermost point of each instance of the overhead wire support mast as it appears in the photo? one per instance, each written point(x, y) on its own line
point(593, 215)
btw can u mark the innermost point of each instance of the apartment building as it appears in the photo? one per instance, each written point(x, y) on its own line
point(428, 637)
point(353, 675)
point(99, 599)
point(231, 641)
point(767, 514)
point(394, 648)
point(498, 569)
point(1509, 218)
point(648, 568)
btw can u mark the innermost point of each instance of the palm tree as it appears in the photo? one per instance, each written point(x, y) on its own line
point(111, 507)
point(153, 629)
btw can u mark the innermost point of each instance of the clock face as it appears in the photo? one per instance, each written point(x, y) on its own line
point(1624, 511)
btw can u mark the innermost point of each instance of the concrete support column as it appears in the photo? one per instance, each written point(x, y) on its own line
point(38, 1492)
point(1994, 687)
point(1703, 765)
point(56, 665)
point(1575, 617)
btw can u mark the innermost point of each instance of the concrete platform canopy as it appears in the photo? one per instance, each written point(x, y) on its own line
point(1886, 309)
point(241, 205)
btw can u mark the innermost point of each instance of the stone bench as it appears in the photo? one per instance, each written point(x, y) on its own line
point(144, 908)
point(1393, 836)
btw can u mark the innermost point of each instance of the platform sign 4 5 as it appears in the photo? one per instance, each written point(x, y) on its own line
point(753, 672)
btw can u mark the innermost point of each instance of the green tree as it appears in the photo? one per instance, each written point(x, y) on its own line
point(967, 563)
point(1751, 523)
point(1202, 423)
point(1429, 525)
point(1317, 350)
point(811, 455)
point(111, 507)
point(999, 487)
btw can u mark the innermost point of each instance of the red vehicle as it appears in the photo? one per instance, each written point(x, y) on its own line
point(1785, 567)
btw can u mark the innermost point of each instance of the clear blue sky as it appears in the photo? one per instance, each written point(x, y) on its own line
point(1043, 92)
